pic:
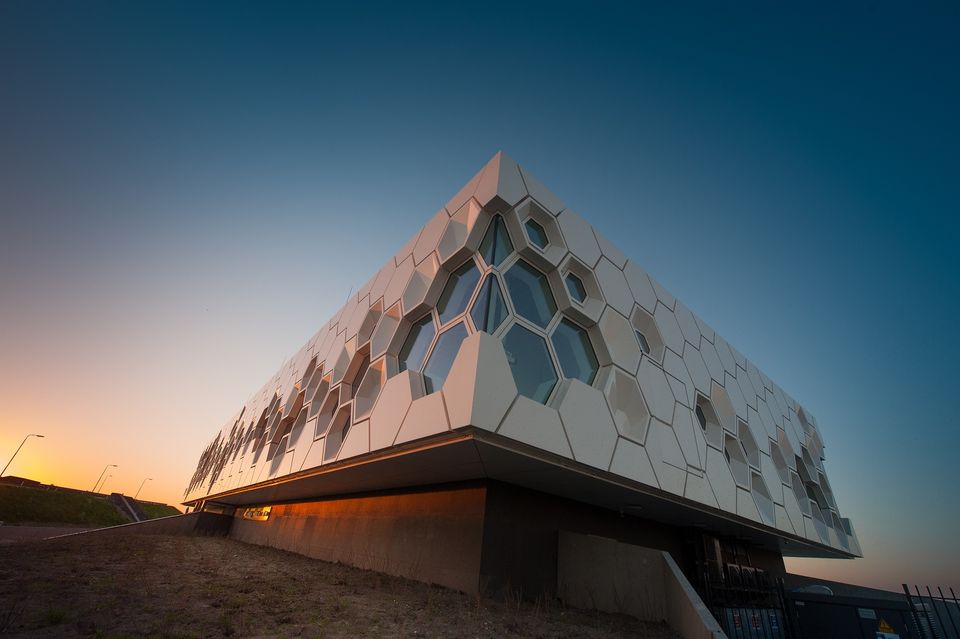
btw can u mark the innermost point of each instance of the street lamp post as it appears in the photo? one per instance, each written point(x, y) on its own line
point(18, 450)
point(102, 474)
point(141, 486)
point(105, 481)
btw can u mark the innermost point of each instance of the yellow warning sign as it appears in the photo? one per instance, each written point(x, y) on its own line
point(884, 626)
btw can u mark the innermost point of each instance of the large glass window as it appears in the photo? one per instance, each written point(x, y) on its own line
point(496, 244)
point(490, 310)
point(441, 359)
point(530, 363)
point(530, 293)
point(415, 347)
point(456, 294)
point(575, 352)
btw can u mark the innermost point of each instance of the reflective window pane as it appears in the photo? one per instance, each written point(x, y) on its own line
point(644, 346)
point(361, 371)
point(496, 244)
point(575, 352)
point(530, 363)
point(489, 311)
point(415, 347)
point(575, 287)
point(441, 359)
point(538, 236)
point(530, 293)
point(457, 292)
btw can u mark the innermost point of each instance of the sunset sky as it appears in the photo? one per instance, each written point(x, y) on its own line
point(188, 191)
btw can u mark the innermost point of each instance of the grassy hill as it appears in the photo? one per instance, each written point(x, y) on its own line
point(153, 511)
point(25, 505)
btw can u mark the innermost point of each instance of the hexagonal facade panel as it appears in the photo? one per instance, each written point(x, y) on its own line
point(626, 403)
point(507, 320)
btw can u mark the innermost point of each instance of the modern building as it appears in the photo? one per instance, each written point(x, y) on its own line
point(508, 376)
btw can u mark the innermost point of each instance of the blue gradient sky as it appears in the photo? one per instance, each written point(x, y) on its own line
point(188, 191)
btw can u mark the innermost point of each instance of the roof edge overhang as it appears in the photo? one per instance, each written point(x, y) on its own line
point(472, 453)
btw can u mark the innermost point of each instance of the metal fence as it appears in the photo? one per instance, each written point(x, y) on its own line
point(747, 602)
point(936, 613)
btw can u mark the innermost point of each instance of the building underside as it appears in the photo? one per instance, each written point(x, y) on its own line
point(475, 511)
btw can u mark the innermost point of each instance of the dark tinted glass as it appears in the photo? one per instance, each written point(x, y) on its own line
point(496, 244)
point(575, 352)
point(575, 287)
point(530, 293)
point(415, 347)
point(538, 237)
point(456, 294)
point(441, 359)
point(530, 363)
point(490, 310)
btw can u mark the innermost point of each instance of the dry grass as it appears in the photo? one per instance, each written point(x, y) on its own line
point(158, 586)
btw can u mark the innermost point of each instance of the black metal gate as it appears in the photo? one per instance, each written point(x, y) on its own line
point(748, 604)
point(743, 597)
point(936, 615)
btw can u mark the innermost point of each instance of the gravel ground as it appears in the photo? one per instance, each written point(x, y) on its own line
point(14, 534)
point(159, 586)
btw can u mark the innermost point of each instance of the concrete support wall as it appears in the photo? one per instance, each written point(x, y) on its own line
point(604, 574)
point(520, 539)
point(430, 535)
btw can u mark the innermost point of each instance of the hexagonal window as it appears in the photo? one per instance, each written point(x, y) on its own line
point(815, 493)
point(749, 443)
point(489, 311)
point(355, 373)
point(709, 421)
point(648, 335)
point(415, 347)
point(575, 352)
point(370, 322)
point(531, 293)
point(441, 359)
point(827, 491)
point(536, 234)
point(736, 460)
point(457, 292)
point(496, 244)
point(780, 463)
point(530, 363)
point(369, 389)
point(629, 411)
point(800, 493)
point(337, 433)
point(575, 287)
point(762, 498)
point(820, 523)
point(642, 341)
